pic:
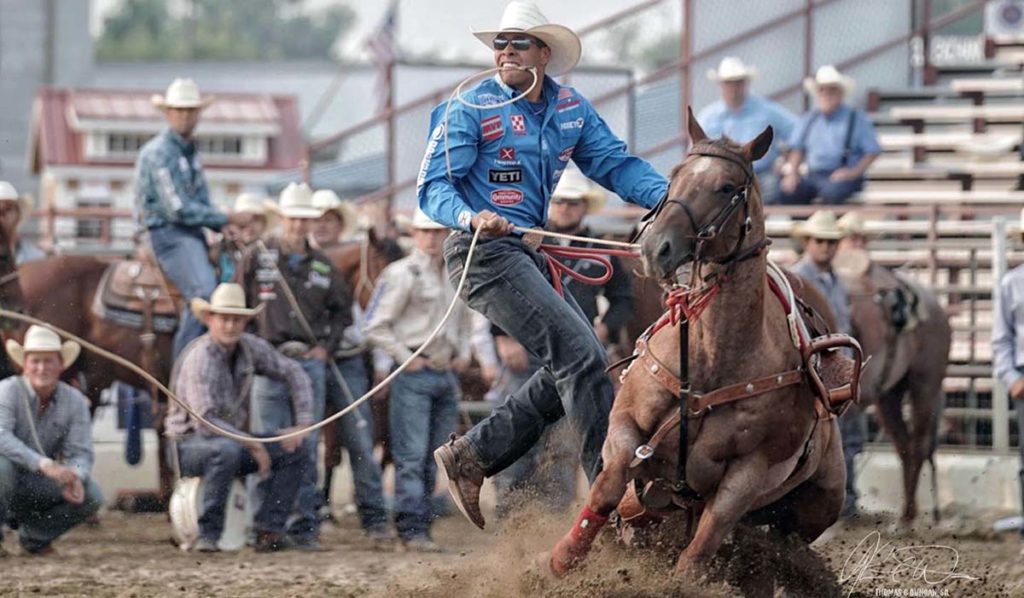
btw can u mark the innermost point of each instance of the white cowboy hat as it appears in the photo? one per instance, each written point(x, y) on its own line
point(253, 203)
point(228, 298)
point(327, 200)
point(25, 203)
point(731, 69)
point(574, 185)
point(296, 201)
point(525, 17)
point(852, 223)
point(828, 75)
point(821, 225)
point(181, 93)
point(42, 340)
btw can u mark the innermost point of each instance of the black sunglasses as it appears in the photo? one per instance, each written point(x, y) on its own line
point(521, 44)
point(565, 201)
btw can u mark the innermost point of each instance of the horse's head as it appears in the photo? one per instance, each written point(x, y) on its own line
point(361, 263)
point(713, 207)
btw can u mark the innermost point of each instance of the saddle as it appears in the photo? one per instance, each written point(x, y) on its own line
point(129, 288)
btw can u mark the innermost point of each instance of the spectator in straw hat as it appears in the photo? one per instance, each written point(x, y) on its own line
point(741, 116)
point(837, 141)
point(506, 159)
point(14, 209)
point(1008, 345)
point(252, 217)
point(214, 376)
point(820, 236)
point(172, 201)
point(46, 453)
point(307, 306)
point(411, 298)
point(337, 222)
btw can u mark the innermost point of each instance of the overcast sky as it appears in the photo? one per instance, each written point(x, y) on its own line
point(442, 27)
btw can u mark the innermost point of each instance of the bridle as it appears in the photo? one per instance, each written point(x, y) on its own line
point(709, 230)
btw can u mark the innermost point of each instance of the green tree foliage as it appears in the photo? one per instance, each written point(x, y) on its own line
point(221, 30)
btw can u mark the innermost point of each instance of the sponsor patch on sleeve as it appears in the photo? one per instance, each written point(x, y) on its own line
point(506, 197)
point(492, 128)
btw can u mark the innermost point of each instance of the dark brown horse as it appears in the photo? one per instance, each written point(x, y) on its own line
point(901, 325)
point(772, 452)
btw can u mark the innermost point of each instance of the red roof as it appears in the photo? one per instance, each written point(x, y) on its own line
point(56, 142)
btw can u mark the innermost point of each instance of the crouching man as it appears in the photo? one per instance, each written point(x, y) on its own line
point(214, 376)
point(45, 444)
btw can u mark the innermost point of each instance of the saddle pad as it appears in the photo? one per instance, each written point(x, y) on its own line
point(124, 290)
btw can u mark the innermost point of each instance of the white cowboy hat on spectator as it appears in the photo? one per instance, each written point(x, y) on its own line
point(181, 93)
point(731, 69)
point(296, 201)
point(25, 203)
point(827, 76)
point(327, 200)
point(574, 185)
point(228, 298)
point(419, 221)
point(821, 225)
point(525, 17)
point(852, 223)
point(39, 339)
point(258, 205)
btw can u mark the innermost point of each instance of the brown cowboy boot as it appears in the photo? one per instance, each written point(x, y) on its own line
point(461, 463)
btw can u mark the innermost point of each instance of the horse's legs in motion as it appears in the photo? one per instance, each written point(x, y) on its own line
point(810, 508)
point(890, 412)
point(735, 495)
point(926, 400)
point(606, 492)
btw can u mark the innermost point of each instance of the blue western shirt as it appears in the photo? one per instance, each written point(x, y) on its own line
point(1008, 328)
point(170, 187)
point(745, 124)
point(831, 287)
point(821, 137)
point(508, 159)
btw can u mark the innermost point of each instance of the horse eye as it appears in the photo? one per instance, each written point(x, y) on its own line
point(726, 189)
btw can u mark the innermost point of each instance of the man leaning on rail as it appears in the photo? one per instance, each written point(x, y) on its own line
point(214, 376)
point(46, 453)
point(505, 159)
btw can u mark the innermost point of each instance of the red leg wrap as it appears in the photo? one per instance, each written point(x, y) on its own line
point(577, 542)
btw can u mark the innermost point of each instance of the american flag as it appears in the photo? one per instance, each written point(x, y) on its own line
point(382, 45)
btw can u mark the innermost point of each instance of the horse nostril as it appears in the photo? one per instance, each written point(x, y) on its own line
point(664, 255)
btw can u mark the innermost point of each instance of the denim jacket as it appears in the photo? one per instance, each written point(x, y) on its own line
point(170, 187)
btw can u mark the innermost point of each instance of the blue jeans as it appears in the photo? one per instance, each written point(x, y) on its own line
point(356, 436)
point(547, 473)
point(509, 283)
point(220, 460)
point(36, 502)
point(424, 406)
point(851, 428)
point(184, 259)
point(1019, 408)
point(815, 185)
point(272, 411)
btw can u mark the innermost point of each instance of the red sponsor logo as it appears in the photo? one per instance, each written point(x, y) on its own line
point(506, 197)
point(564, 92)
point(492, 128)
point(569, 105)
point(507, 153)
point(518, 124)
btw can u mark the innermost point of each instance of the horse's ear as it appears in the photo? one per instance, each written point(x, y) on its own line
point(371, 236)
point(697, 134)
point(758, 146)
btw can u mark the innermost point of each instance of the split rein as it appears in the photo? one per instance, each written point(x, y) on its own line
point(590, 253)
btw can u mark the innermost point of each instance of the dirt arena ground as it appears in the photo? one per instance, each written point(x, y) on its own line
point(130, 555)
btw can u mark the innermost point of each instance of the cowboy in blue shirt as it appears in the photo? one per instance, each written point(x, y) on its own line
point(837, 141)
point(172, 202)
point(505, 161)
point(741, 116)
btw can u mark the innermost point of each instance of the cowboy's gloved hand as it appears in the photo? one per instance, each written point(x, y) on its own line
point(491, 224)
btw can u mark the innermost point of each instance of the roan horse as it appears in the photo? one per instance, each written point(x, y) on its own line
point(774, 454)
point(901, 325)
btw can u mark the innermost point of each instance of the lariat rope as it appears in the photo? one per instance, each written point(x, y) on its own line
point(246, 439)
